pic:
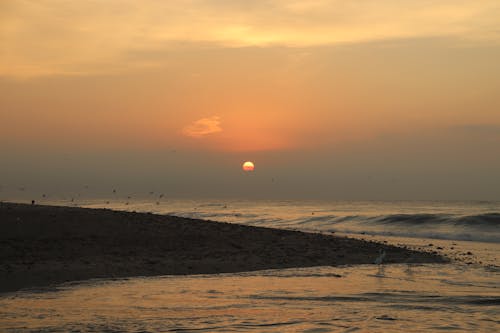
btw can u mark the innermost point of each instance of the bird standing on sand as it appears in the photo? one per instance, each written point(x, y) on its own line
point(380, 258)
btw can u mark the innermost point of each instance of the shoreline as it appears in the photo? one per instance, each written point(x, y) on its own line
point(46, 245)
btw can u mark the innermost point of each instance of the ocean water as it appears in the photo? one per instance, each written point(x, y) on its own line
point(474, 221)
point(461, 296)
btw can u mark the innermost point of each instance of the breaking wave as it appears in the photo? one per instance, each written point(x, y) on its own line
point(480, 227)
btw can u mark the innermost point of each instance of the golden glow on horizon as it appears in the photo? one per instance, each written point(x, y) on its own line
point(248, 166)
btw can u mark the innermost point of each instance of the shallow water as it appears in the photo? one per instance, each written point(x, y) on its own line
point(461, 296)
point(365, 298)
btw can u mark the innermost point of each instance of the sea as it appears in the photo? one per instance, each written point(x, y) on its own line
point(462, 296)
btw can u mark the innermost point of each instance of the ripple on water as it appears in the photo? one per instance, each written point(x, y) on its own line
point(324, 299)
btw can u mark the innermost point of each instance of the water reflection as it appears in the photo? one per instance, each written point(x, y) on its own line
point(362, 298)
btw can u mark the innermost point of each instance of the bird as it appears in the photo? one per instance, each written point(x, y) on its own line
point(380, 258)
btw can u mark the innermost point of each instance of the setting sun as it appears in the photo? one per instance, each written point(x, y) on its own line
point(248, 166)
point(122, 124)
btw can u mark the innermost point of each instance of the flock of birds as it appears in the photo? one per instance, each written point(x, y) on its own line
point(114, 192)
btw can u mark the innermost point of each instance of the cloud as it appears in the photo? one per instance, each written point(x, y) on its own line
point(56, 37)
point(202, 127)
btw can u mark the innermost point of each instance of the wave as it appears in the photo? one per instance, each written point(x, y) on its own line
point(481, 221)
point(490, 219)
point(479, 227)
point(412, 219)
point(475, 221)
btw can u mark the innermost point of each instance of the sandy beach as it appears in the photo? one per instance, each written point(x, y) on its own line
point(45, 245)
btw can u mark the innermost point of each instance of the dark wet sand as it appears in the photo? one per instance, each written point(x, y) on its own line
point(45, 245)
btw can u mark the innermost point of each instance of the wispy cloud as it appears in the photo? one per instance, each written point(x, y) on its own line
point(202, 127)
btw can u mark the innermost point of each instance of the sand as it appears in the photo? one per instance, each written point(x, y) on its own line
point(46, 245)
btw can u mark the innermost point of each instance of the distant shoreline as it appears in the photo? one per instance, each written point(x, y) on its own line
point(46, 245)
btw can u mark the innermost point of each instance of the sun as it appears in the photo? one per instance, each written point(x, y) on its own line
point(248, 166)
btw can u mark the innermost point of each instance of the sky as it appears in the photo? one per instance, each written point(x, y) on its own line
point(344, 100)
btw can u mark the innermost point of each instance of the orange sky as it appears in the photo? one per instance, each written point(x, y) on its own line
point(233, 79)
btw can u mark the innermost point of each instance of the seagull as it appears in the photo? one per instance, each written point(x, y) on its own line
point(380, 258)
